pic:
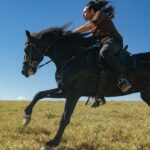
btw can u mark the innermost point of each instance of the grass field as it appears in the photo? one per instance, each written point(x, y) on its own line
point(114, 126)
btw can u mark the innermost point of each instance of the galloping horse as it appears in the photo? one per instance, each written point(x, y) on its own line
point(78, 71)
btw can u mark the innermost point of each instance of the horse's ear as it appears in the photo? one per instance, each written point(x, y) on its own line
point(28, 34)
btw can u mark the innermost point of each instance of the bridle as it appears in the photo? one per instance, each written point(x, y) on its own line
point(36, 47)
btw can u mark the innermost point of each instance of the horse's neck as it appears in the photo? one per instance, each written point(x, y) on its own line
point(62, 53)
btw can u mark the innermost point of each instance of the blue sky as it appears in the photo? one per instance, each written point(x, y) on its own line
point(132, 20)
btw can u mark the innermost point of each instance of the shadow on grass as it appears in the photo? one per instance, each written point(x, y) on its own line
point(86, 146)
point(83, 146)
point(65, 145)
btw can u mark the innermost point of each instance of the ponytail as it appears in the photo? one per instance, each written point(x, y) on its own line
point(102, 5)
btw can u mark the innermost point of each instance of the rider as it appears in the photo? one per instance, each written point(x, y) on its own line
point(99, 15)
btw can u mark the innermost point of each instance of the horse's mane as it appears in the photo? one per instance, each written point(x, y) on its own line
point(61, 33)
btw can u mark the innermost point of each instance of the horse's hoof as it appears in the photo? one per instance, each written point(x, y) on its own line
point(49, 145)
point(26, 119)
point(45, 147)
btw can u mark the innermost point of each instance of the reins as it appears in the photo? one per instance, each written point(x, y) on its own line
point(45, 64)
point(66, 63)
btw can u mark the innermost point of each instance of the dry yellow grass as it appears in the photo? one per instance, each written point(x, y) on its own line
point(114, 126)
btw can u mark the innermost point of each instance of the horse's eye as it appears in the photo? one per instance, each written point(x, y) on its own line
point(27, 48)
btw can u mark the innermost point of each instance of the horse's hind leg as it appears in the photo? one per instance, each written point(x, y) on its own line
point(145, 95)
point(54, 93)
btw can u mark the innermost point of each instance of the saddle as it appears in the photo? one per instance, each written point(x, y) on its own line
point(127, 61)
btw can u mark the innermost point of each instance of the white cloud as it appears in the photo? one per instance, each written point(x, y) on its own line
point(21, 98)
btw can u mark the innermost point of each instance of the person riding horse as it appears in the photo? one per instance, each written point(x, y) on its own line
point(73, 74)
point(99, 15)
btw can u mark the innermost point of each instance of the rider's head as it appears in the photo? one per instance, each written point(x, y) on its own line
point(93, 6)
point(89, 10)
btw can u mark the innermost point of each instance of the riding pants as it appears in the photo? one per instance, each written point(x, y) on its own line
point(107, 52)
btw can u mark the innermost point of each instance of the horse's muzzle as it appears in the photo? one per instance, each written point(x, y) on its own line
point(25, 73)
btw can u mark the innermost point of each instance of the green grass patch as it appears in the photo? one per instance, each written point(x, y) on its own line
point(114, 126)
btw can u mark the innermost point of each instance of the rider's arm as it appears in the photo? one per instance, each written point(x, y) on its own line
point(98, 18)
point(84, 28)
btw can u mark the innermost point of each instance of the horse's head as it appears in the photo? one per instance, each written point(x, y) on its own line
point(33, 55)
point(37, 46)
point(56, 43)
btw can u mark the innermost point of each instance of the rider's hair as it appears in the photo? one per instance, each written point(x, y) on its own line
point(102, 5)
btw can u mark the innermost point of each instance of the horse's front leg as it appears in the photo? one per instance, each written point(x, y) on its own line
point(71, 102)
point(54, 93)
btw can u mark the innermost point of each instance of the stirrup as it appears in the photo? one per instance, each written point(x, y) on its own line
point(124, 85)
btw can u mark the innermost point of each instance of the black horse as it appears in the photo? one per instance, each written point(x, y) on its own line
point(79, 73)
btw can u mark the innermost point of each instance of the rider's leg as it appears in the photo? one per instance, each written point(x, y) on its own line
point(107, 52)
